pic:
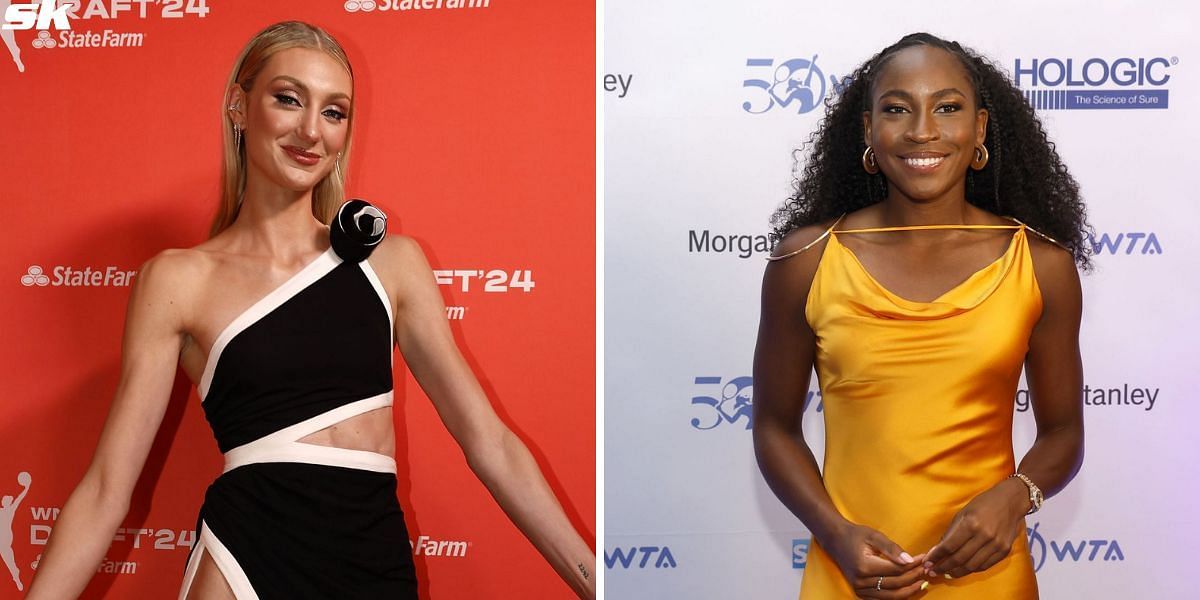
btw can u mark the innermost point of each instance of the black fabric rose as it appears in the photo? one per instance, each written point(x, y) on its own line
point(356, 229)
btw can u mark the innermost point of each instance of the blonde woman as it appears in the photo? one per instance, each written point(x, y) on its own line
point(287, 327)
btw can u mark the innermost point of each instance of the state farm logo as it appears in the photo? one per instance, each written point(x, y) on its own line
point(35, 276)
point(366, 6)
point(427, 546)
point(63, 276)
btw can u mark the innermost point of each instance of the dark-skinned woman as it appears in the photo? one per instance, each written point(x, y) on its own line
point(930, 253)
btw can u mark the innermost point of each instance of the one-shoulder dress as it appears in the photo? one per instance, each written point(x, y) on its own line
point(287, 519)
point(918, 405)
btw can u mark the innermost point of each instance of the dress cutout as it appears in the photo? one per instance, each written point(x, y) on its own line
point(918, 406)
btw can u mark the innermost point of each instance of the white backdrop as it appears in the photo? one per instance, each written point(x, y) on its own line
point(687, 514)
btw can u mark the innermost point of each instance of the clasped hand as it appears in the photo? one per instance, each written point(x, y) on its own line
point(979, 536)
point(982, 533)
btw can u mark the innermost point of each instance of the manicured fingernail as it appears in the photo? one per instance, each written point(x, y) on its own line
point(904, 556)
point(932, 573)
point(928, 565)
point(947, 576)
point(924, 585)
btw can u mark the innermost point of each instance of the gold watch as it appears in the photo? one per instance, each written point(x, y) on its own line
point(1035, 492)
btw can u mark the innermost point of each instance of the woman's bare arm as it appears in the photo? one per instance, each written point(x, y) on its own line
point(783, 363)
point(1054, 371)
point(494, 453)
point(150, 350)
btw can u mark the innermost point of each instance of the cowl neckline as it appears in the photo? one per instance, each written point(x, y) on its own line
point(964, 296)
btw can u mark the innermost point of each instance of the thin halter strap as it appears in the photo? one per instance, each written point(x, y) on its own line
point(1040, 234)
point(829, 231)
point(913, 227)
point(810, 244)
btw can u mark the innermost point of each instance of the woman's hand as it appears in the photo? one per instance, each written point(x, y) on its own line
point(982, 533)
point(864, 555)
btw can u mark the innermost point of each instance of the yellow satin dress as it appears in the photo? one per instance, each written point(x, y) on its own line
point(918, 404)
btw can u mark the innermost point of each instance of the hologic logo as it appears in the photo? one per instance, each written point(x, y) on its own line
point(733, 401)
point(1071, 551)
point(1126, 243)
point(652, 557)
point(797, 80)
point(1094, 83)
point(800, 553)
point(72, 277)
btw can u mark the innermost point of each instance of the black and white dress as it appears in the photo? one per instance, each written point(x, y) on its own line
point(288, 519)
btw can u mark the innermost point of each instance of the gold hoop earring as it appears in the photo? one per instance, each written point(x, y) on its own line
point(337, 166)
point(868, 161)
point(237, 137)
point(981, 158)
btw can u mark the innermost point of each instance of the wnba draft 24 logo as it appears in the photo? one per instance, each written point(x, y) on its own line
point(1071, 550)
point(797, 81)
point(8, 510)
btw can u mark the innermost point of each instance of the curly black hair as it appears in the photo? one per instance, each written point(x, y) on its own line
point(1024, 178)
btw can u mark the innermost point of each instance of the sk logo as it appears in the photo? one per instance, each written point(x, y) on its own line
point(796, 80)
point(736, 401)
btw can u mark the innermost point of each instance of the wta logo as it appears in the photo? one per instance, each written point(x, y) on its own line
point(1095, 83)
point(1071, 550)
point(796, 84)
point(640, 557)
point(728, 401)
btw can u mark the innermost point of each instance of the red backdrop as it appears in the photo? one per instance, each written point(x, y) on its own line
point(475, 132)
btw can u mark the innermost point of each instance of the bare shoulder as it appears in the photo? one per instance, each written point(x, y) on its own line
point(166, 288)
point(398, 253)
point(800, 250)
point(176, 272)
point(1056, 273)
point(789, 275)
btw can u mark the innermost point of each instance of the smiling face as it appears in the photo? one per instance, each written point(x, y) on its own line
point(924, 124)
point(295, 118)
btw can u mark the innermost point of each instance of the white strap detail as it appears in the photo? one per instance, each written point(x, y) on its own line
point(226, 564)
point(383, 297)
point(303, 278)
point(283, 445)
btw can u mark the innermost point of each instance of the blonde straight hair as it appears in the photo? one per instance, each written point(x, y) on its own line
point(329, 192)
